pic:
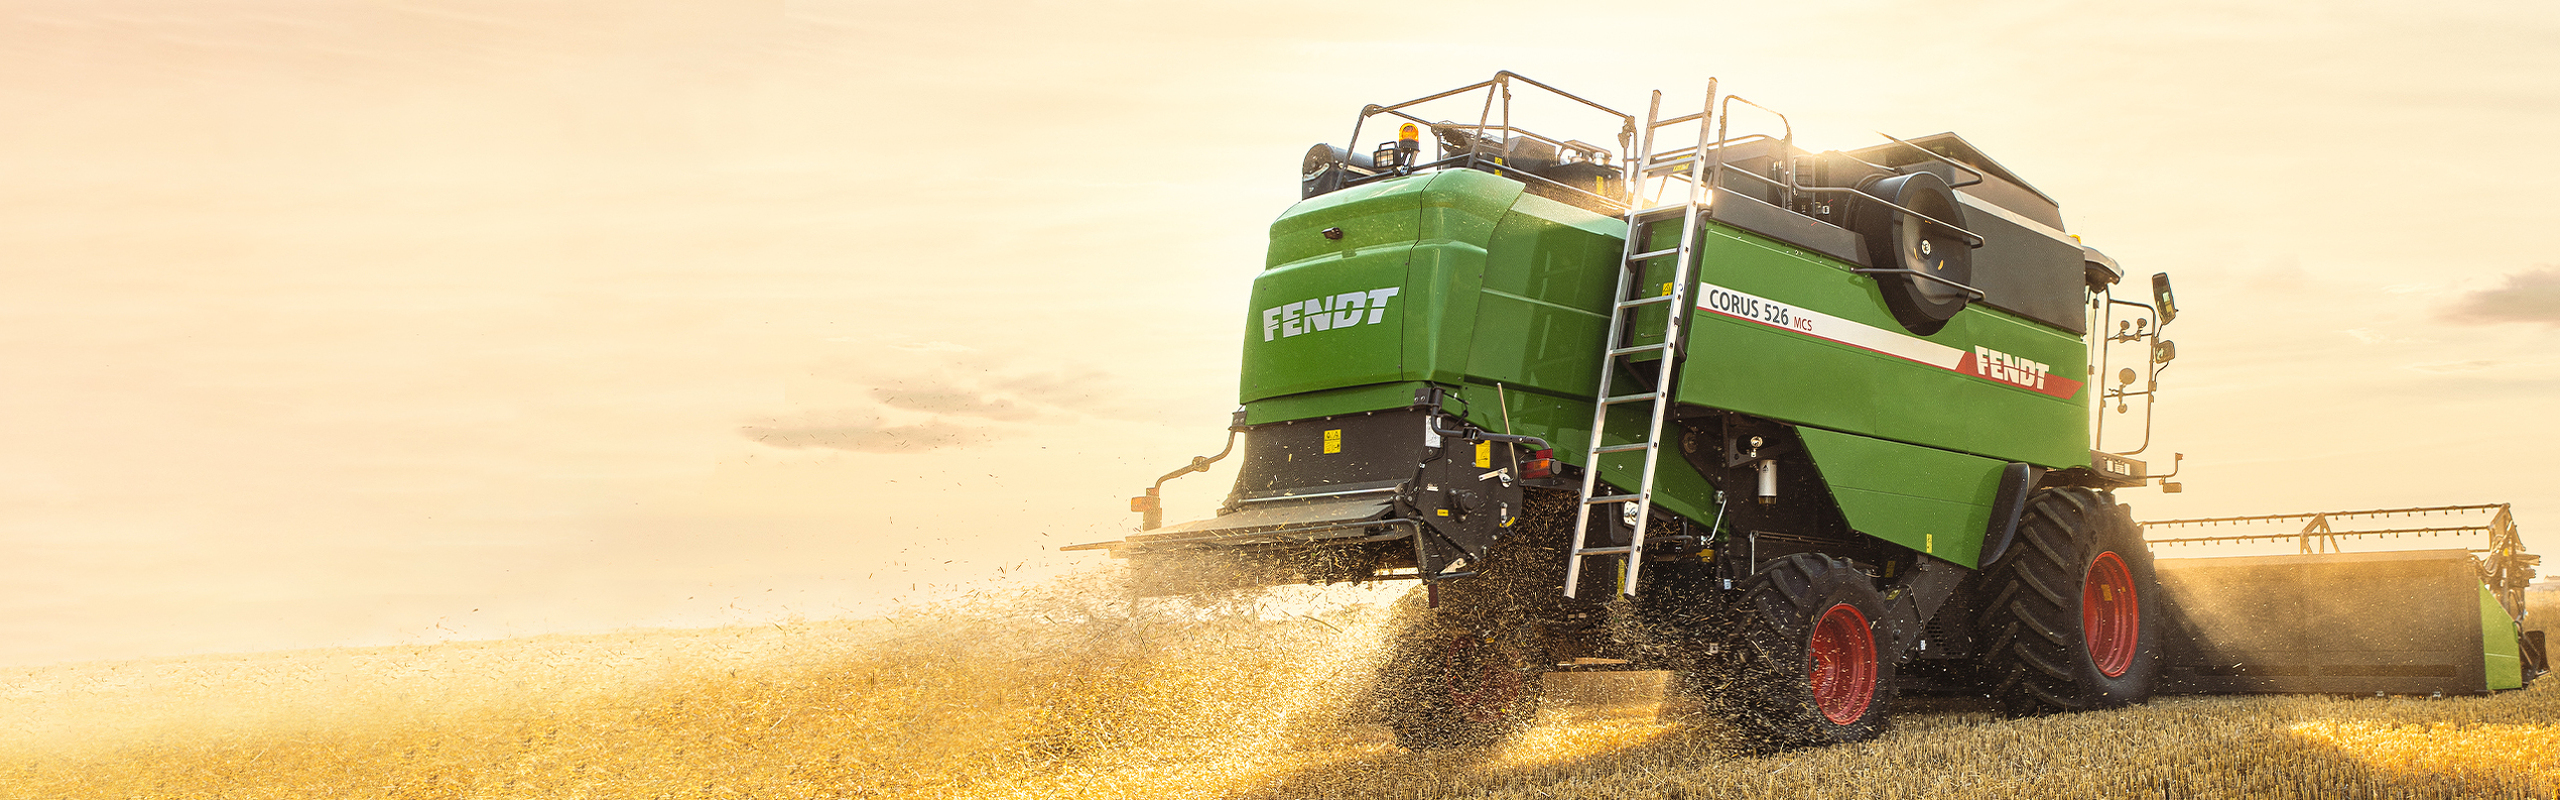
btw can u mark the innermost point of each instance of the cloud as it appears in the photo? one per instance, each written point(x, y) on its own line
point(912, 397)
point(2529, 296)
point(956, 402)
point(2456, 366)
point(860, 434)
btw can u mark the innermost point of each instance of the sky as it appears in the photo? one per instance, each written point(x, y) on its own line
point(342, 323)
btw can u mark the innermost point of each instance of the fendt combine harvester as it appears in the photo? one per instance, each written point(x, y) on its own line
point(1804, 429)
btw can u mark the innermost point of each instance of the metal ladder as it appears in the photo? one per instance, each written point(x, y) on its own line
point(1691, 165)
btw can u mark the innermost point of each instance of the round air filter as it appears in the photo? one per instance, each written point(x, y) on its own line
point(1898, 239)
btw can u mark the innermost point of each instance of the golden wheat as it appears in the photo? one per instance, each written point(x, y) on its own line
point(1062, 694)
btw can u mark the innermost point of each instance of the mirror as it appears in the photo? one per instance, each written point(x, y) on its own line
point(2162, 298)
point(2164, 352)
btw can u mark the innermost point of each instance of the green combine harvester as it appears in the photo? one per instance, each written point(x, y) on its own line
point(1804, 429)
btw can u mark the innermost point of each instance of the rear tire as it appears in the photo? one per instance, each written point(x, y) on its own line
point(2072, 618)
point(1802, 665)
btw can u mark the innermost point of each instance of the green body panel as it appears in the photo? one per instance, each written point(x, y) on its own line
point(1930, 500)
point(1784, 375)
point(1331, 402)
point(2501, 654)
point(1502, 298)
point(1423, 238)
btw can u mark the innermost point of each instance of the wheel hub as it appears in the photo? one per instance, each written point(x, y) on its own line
point(1843, 668)
point(2110, 616)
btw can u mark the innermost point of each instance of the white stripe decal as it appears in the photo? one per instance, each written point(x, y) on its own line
point(1983, 362)
point(1754, 308)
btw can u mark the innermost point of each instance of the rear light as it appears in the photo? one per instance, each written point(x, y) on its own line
point(1143, 503)
point(1540, 464)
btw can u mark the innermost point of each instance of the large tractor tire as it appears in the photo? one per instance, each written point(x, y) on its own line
point(2071, 618)
point(1459, 676)
point(1801, 664)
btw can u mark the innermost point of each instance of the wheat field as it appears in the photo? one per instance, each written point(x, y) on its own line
point(1070, 692)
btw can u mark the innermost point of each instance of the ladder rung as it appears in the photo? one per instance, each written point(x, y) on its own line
point(1612, 498)
point(1605, 551)
point(1653, 254)
point(1629, 398)
point(1680, 119)
point(1623, 448)
point(1639, 349)
point(1645, 301)
point(1682, 167)
point(1656, 211)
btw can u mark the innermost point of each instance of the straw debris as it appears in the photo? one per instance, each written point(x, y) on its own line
point(1073, 690)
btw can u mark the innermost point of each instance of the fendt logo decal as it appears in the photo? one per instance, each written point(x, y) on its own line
point(1327, 313)
point(2008, 369)
point(1982, 362)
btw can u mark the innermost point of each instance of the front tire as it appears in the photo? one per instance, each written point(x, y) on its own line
point(2073, 620)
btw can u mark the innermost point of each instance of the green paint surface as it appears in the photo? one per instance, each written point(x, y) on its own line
point(1756, 369)
point(1930, 500)
point(2501, 654)
point(1502, 298)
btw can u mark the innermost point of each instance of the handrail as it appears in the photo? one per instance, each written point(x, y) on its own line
point(1970, 293)
point(1567, 95)
point(1724, 117)
point(1499, 86)
point(2151, 371)
point(1510, 172)
point(1977, 174)
point(1971, 239)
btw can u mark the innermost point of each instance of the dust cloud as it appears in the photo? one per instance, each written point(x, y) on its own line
point(1076, 688)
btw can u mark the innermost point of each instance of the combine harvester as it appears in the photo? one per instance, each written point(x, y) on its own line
point(1804, 429)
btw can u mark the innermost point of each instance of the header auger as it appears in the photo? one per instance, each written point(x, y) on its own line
point(1806, 429)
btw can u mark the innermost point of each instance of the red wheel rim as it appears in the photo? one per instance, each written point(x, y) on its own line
point(2110, 615)
point(1844, 664)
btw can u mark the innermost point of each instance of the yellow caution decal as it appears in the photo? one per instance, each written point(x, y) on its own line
point(1333, 441)
point(1484, 455)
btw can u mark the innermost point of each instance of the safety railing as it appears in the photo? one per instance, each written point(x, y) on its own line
point(1498, 99)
